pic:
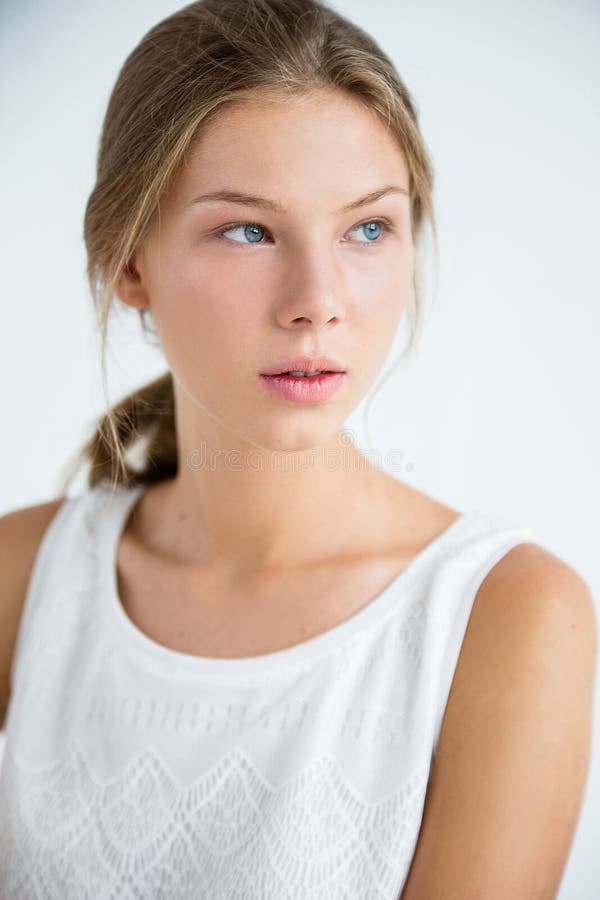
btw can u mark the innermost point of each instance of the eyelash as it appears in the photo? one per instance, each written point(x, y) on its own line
point(388, 228)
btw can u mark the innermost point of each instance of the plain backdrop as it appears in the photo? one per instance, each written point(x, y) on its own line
point(499, 407)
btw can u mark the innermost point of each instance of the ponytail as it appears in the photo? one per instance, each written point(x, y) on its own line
point(146, 415)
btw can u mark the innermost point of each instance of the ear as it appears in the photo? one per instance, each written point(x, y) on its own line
point(130, 288)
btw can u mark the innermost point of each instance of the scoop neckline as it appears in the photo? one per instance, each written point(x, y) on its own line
point(119, 508)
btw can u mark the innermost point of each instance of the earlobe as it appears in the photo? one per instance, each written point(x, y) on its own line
point(130, 290)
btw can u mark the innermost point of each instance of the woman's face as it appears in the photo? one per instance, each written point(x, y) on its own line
point(308, 279)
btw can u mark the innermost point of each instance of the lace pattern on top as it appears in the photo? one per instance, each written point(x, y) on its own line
point(135, 771)
point(229, 834)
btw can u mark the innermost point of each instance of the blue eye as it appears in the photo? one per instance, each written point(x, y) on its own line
point(376, 222)
point(252, 230)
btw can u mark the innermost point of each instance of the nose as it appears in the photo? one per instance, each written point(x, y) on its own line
point(316, 317)
point(316, 300)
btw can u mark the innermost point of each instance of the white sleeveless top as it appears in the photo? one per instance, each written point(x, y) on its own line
point(137, 771)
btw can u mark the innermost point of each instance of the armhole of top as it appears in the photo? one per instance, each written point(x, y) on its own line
point(460, 621)
point(39, 569)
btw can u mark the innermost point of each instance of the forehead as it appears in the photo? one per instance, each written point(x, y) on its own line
point(322, 142)
point(316, 108)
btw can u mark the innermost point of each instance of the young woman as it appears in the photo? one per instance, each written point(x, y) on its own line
point(253, 663)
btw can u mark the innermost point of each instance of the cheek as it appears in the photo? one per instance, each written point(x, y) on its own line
point(378, 309)
point(200, 321)
point(380, 297)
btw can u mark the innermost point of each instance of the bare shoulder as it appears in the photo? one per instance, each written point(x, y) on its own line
point(418, 515)
point(21, 531)
point(509, 776)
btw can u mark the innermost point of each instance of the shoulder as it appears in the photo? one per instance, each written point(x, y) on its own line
point(21, 532)
point(518, 721)
point(528, 597)
point(531, 642)
point(22, 529)
point(415, 518)
point(419, 504)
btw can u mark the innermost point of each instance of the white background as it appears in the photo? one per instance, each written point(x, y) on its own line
point(499, 408)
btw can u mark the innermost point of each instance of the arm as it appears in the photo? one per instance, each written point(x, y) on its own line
point(508, 779)
point(21, 532)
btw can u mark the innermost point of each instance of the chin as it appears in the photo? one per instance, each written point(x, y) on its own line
point(295, 436)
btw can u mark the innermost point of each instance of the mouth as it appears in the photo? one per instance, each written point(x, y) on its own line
point(304, 388)
point(305, 367)
point(301, 374)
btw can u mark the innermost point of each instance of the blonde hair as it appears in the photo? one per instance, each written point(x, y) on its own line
point(187, 69)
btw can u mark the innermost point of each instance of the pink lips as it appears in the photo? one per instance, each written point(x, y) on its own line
point(304, 364)
point(304, 390)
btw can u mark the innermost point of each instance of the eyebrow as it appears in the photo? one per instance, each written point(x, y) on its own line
point(274, 206)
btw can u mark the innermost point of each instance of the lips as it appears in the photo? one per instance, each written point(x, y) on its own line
point(304, 364)
point(312, 389)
